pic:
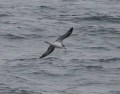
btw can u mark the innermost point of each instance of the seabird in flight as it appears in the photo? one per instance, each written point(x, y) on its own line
point(57, 43)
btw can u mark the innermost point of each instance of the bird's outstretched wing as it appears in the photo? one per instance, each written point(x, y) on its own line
point(69, 32)
point(49, 50)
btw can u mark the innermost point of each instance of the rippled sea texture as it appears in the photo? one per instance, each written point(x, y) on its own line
point(92, 62)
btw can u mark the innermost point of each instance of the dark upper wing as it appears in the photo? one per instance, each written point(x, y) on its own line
point(65, 35)
point(49, 50)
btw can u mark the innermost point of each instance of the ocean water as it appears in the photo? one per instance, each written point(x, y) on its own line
point(92, 62)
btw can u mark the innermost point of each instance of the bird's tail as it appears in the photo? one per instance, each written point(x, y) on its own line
point(47, 42)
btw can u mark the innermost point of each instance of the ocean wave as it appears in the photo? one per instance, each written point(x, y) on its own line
point(94, 67)
point(21, 36)
point(12, 36)
point(5, 15)
point(97, 48)
point(46, 7)
point(69, 0)
point(96, 31)
point(114, 92)
point(104, 30)
point(32, 35)
point(20, 59)
point(106, 60)
point(102, 17)
point(5, 89)
point(53, 58)
point(21, 91)
point(52, 74)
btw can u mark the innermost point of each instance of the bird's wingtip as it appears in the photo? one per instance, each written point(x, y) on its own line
point(71, 28)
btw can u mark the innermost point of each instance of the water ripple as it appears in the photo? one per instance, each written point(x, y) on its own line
point(107, 60)
point(107, 18)
point(12, 36)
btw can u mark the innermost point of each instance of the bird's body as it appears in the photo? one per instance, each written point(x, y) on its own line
point(57, 43)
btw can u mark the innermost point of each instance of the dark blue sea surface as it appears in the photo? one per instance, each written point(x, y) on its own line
point(92, 62)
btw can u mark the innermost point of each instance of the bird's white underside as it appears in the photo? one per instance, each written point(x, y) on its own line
point(57, 44)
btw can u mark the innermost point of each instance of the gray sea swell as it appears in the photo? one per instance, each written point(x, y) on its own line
point(92, 62)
